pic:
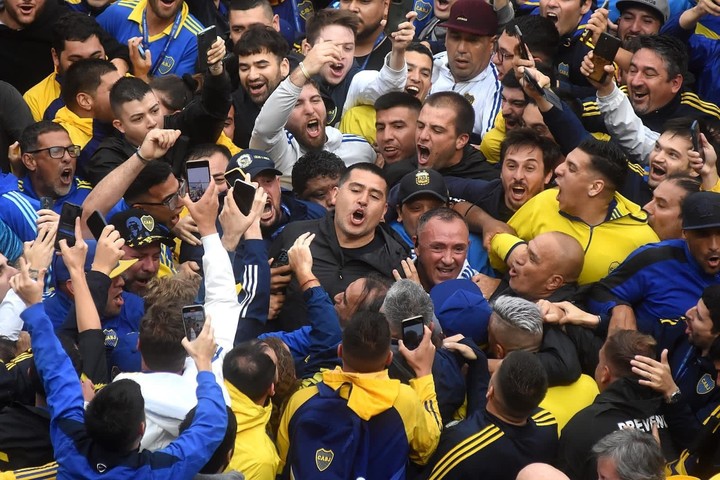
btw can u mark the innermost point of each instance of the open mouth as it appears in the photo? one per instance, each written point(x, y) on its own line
point(713, 261)
point(657, 171)
point(268, 210)
point(552, 16)
point(446, 273)
point(337, 68)
point(423, 155)
point(256, 88)
point(358, 216)
point(167, 2)
point(639, 96)
point(517, 192)
point(412, 90)
point(313, 128)
point(26, 8)
point(66, 175)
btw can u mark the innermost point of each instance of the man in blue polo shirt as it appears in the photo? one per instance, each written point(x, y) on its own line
point(49, 159)
point(167, 29)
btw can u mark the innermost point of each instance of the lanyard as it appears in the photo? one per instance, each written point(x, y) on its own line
point(146, 41)
point(378, 41)
point(682, 369)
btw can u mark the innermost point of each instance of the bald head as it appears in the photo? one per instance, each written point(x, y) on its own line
point(541, 471)
point(565, 254)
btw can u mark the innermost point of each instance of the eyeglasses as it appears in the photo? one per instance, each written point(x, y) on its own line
point(59, 152)
point(502, 54)
point(173, 201)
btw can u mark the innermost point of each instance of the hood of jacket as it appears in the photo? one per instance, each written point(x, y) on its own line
point(248, 414)
point(368, 394)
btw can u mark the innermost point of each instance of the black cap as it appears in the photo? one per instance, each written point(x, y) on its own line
point(701, 210)
point(253, 162)
point(139, 228)
point(422, 182)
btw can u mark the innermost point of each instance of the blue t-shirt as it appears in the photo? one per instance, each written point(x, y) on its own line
point(124, 19)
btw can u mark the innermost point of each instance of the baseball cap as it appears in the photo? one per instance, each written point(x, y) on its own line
point(253, 161)
point(659, 7)
point(62, 274)
point(461, 308)
point(422, 182)
point(701, 210)
point(139, 228)
point(476, 17)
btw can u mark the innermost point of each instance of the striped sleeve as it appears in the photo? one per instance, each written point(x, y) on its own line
point(464, 450)
point(427, 423)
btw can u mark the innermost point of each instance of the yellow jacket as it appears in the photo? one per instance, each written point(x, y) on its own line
point(255, 454)
point(606, 245)
point(565, 401)
point(490, 145)
point(42, 95)
point(360, 121)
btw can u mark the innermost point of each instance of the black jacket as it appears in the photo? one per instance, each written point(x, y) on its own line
point(624, 404)
point(472, 165)
point(330, 265)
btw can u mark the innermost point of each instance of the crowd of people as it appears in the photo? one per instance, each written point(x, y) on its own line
point(433, 240)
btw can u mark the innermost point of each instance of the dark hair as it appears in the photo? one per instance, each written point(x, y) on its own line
point(464, 113)
point(711, 299)
point(126, 90)
point(153, 174)
point(219, 459)
point(366, 341)
point(607, 159)
point(176, 92)
point(160, 337)
point(672, 51)
point(73, 27)
point(7, 349)
point(521, 383)
point(84, 76)
point(527, 137)
point(243, 5)
point(260, 38)
point(684, 181)
point(622, 346)
point(373, 292)
point(205, 150)
point(442, 213)
point(368, 167)
point(397, 99)
point(250, 369)
point(30, 135)
point(114, 416)
point(420, 48)
point(315, 164)
point(539, 33)
point(326, 17)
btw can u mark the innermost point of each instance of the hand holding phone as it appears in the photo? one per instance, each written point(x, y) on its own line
point(697, 144)
point(205, 40)
point(198, 177)
point(244, 194)
point(521, 44)
point(397, 12)
point(604, 54)
point(96, 224)
point(66, 226)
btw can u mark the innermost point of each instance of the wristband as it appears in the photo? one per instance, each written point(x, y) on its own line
point(142, 159)
point(302, 287)
point(304, 72)
point(468, 210)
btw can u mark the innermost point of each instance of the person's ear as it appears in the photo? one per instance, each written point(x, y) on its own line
point(389, 358)
point(84, 101)
point(271, 390)
point(340, 351)
point(490, 392)
point(596, 188)
point(499, 351)
point(305, 47)
point(399, 213)
point(676, 83)
point(69, 286)
point(548, 177)
point(605, 375)
point(461, 141)
point(555, 281)
point(334, 194)
point(55, 59)
point(28, 160)
point(118, 125)
point(585, 7)
point(276, 23)
point(284, 68)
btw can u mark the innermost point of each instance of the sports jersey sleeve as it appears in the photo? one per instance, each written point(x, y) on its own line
point(490, 144)
point(221, 303)
point(501, 247)
point(369, 85)
point(428, 422)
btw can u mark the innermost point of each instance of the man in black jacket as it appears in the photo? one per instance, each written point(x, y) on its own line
point(623, 403)
point(350, 243)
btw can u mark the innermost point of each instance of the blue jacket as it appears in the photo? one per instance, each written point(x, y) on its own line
point(641, 281)
point(76, 453)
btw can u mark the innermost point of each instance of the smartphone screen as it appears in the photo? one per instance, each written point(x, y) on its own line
point(96, 224)
point(66, 226)
point(695, 134)
point(412, 331)
point(198, 177)
point(243, 193)
point(205, 39)
point(193, 320)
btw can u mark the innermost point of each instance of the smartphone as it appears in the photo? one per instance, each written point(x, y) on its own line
point(604, 54)
point(198, 178)
point(546, 93)
point(281, 260)
point(244, 194)
point(234, 174)
point(47, 203)
point(522, 46)
point(141, 51)
point(66, 227)
point(96, 224)
point(193, 320)
point(587, 33)
point(396, 14)
point(412, 331)
point(695, 134)
point(205, 39)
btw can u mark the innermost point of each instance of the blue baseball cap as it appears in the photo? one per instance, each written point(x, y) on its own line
point(460, 307)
